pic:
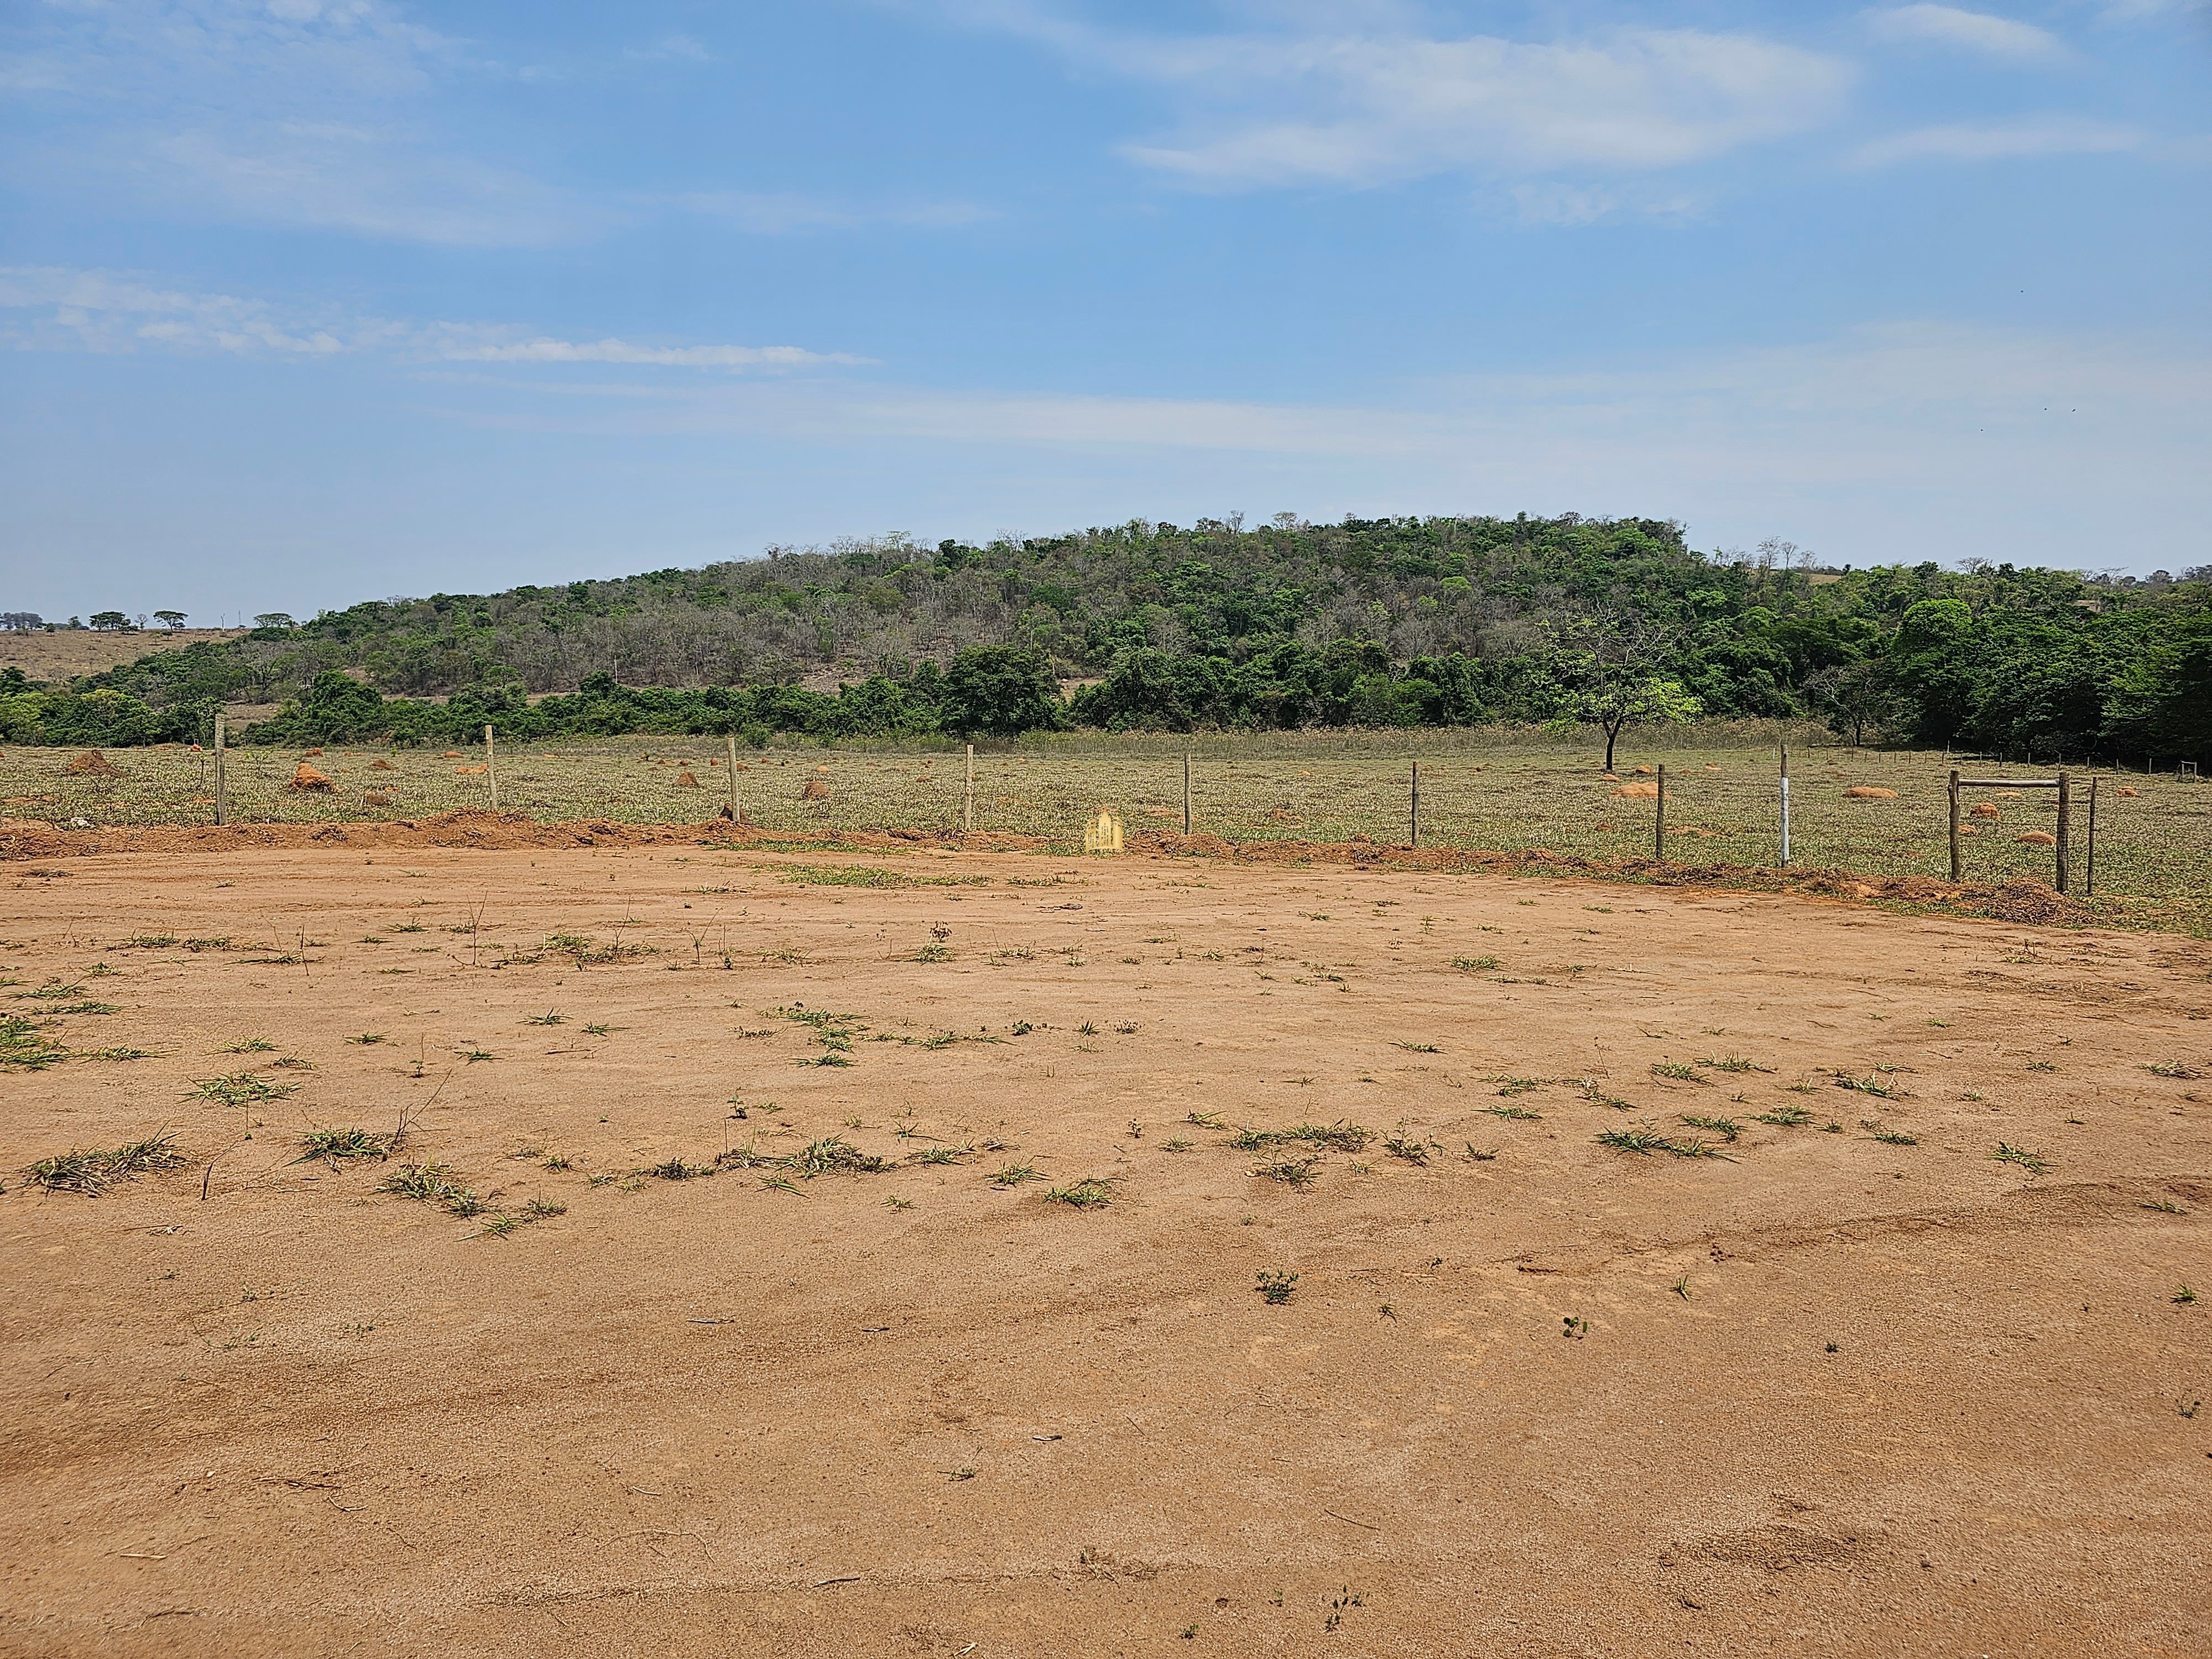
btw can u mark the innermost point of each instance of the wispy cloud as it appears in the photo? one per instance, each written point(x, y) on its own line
point(1322, 101)
point(771, 213)
point(681, 47)
point(1972, 31)
point(315, 114)
point(2029, 137)
point(54, 308)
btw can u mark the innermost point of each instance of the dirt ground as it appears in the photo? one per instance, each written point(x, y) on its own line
point(1826, 1393)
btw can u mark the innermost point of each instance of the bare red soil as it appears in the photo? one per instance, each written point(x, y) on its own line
point(1825, 1392)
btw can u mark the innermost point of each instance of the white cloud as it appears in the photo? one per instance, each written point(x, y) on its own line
point(778, 215)
point(1894, 442)
point(2032, 137)
point(669, 46)
point(60, 309)
point(1550, 202)
point(295, 112)
point(1328, 105)
point(1973, 30)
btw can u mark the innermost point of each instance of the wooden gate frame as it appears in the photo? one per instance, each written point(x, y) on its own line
point(2063, 783)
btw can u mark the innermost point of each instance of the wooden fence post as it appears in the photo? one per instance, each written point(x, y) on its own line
point(1414, 816)
point(491, 767)
point(1659, 819)
point(737, 812)
point(1955, 865)
point(1185, 791)
point(221, 794)
point(2065, 824)
point(2089, 876)
point(968, 800)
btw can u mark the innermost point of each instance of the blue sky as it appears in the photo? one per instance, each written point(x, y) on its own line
point(313, 300)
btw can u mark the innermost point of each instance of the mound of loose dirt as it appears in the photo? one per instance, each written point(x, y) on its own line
point(815, 790)
point(1637, 792)
point(1868, 791)
point(308, 780)
point(93, 764)
point(380, 764)
point(685, 779)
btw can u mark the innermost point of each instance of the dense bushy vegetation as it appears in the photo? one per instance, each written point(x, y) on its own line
point(1400, 621)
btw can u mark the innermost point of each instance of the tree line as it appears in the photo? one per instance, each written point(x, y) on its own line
point(1369, 623)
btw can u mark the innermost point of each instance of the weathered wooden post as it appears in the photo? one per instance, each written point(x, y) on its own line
point(1955, 865)
point(491, 767)
point(1414, 817)
point(737, 812)
point(1185, 791)
point(1659, 820)
point(222, 800)
point(968, 800)
point(2065, 824)
point(2089, 875)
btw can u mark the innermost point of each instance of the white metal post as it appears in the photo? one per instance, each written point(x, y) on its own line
point(1785, 805)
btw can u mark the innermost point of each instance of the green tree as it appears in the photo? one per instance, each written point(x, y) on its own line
point(1614, 669)
point(1002, 690)
point(170, 618)
point(110, 619)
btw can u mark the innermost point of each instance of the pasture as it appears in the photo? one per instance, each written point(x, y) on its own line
point(2153, 859)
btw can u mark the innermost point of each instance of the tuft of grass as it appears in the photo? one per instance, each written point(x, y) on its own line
point(676, 1168)
point(1275, 1285)
point(92, 1173)
point(1517, 1114)
point(2009, 1153)
point(1676, 1070)
point(2182, 1296)
point(1510, 1086)
point(1733, 1063)
point(2165, 1206)
point(1872, 1084)
point(1176, 1143)
point(1399, 1144)
point(1597, 1096)
point(367, 1039)
point(1786, 1117)
point(1894, 1137)
point(243, 1089)
point(1091, 1193)
point(1476, 964)
point(833, 1155)
point(1726, 1127)
point(551, 1017)
point(248, 1046)
point(24, 1044)
point(1013, 1175)
point(339, 1144)
point(1633, 1141)
point(1296, 1172)
point(2173, 1068)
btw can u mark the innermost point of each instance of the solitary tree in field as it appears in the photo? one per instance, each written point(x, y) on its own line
point(1856, 694)
point(170, 618)
point(1613, 668)
point(276, 619)
point(110, 619)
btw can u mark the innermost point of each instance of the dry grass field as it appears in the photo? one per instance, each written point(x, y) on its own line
point(64, 656)
point(2153, 841)
point(605, 1251)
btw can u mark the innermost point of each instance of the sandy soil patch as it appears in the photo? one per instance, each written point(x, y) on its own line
point(1820, 1373)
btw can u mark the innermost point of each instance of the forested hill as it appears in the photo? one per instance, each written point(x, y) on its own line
point(1375, 621)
